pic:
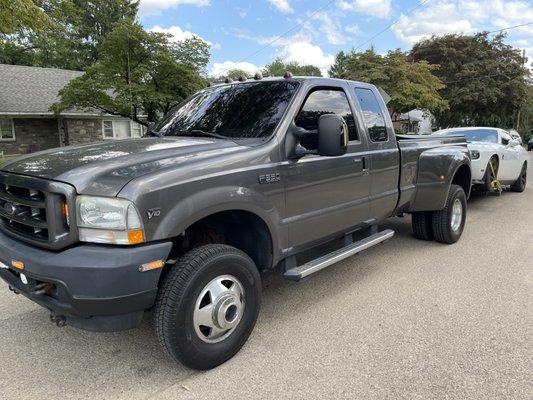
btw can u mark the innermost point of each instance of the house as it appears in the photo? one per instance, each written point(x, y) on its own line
point(420, 122)
point(27, 124)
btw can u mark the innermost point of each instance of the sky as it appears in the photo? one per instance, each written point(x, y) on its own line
point(250, 34)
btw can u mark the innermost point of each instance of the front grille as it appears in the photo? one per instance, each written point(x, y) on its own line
point(36, 210)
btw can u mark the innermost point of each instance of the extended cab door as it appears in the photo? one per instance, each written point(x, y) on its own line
point(326, 195)
point(384, 154)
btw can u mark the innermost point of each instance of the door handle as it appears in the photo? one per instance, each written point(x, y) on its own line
point(364, 161)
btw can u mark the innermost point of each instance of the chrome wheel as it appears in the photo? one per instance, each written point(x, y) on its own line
point(218, 309)
point(457, 215)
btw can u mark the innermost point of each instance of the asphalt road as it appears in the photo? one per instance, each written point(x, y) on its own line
point(404, 320)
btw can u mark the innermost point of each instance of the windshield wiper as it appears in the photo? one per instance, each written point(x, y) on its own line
point(152, 132)
point(199, 132)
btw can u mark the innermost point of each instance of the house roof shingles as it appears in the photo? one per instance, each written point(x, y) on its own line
point(32, 90)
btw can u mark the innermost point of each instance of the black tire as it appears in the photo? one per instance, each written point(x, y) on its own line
point(421, 223)
point(442, 220)
point(520, 184)
point(489, 176)
point(177, 298)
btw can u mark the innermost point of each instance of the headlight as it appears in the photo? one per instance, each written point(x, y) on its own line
point(474, 154)
point(108, 220)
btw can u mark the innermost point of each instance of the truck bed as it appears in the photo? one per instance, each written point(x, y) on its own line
point(421, 153)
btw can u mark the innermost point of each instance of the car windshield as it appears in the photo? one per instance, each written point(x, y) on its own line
point(478, 135)
point(238, 111)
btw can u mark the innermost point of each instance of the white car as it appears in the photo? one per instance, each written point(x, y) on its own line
point(495, 156)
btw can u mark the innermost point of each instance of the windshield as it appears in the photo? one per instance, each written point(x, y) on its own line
point(239, 111)
point(478, 135)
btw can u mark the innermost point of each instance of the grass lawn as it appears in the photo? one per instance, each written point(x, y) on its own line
point(5, 158)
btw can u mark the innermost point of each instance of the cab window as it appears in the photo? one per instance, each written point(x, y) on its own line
point(321, 102)
point(372, 115)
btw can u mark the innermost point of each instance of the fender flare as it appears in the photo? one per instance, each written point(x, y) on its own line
point(436, 170)
point(214, 200)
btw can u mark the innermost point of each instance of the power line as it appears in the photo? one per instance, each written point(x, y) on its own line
point(270, 43)
point(391, 25)
point(512, 27)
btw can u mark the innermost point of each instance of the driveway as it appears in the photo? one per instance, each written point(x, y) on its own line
point(405, 320)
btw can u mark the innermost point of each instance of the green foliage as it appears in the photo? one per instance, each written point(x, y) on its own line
point(278, 68)
point(485, 79)
point(21, 14)
point(236, 73)
point(340, 68)
point(193, 51)
point(74, 38)
point(136, 74)
point(410, 84)
point(525, 123)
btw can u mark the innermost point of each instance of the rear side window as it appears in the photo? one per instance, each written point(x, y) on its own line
point(322, 102)
point(373, 117)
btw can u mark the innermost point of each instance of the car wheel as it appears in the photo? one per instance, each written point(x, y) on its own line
point(448, 223)
point(491, 174)
point(421, 224)
point(207, 305)
point(520, 184)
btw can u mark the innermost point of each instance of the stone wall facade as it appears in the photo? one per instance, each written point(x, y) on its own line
point(83, 130)
point(32, 134)
point(35, 134)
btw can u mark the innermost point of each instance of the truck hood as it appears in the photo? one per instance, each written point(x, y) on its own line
point(104, 168)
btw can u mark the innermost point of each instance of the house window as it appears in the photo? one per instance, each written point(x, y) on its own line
point(7, 130)
point(121, 129)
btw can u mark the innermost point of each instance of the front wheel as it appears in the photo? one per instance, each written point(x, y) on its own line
point(207, 305)
point(448, 223)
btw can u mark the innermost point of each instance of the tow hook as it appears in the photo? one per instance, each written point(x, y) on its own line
point(43, 288)
point(59, 320)
point(14, 290)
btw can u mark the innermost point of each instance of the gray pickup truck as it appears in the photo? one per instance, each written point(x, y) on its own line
point(240, 178)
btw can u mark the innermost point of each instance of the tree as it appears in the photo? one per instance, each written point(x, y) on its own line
point(136, 74)
point(410, 84)
point(193, 51)
point(278, 68)
point(21, 14)
point(485, 78)
point(236, 74)
point(340, 68)
point(525, 123)
point(73, 39)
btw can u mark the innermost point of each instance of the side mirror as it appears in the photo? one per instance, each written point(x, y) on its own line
point(332, 135)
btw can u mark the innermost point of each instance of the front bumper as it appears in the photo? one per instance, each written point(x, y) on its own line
point(478, 168)
point(95, 287)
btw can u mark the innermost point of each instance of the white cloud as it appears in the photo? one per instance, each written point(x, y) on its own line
point(465, 16)
point(440, 18)
point(329, 27)
point(376, 8)
point(275, 41)
point(178, 34)
point(154, 7)
point(306, 53)
point(221, 69)
point(353, 29)
point(469, 16)
point(282, 5)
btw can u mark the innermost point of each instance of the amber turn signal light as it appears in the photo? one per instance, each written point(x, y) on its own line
point(152, 265)
point(135, 236)
point(17, 264)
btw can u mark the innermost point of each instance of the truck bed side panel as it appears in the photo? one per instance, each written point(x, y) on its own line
point(428, 165)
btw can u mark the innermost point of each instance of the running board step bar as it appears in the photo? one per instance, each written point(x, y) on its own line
point(298, 273)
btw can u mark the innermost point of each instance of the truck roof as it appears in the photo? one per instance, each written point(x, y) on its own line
point(312, 79)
